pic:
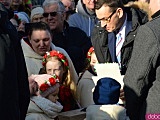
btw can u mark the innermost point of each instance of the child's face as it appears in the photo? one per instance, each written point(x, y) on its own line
point(21, 26)
point(54, 66)
point(93, 60)
point(53, 97)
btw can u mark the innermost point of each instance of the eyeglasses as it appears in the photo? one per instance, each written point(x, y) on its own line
point(108, 19)
point(53, 14)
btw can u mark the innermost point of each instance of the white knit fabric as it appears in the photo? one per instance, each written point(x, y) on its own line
point(23, 16)
point(35, 11)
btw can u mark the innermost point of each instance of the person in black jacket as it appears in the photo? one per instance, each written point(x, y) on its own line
point(72, 39)
point(14, 88)
point(114, 19)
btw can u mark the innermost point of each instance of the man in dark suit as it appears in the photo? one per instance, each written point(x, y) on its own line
point(116, 19)
point(142, 79)
point(14, 88)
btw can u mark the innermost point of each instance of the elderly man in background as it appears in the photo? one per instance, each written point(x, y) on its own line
point(73, 40)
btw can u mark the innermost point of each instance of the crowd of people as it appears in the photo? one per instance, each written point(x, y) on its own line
point(49, 49)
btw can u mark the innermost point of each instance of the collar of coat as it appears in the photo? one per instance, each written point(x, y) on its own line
point(156, 14)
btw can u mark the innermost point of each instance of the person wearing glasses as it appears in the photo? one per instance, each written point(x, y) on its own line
point(116, 20)
point(113, 37)
point(72, 39)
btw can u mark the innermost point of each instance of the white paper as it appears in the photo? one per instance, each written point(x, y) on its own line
point(108, 70)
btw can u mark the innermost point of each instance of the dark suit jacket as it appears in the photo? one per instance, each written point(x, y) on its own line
point(102, 41)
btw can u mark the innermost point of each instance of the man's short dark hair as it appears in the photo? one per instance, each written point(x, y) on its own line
point(111, 3)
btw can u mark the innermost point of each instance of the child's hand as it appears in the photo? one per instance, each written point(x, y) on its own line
point(122, 97)
point(33, 86)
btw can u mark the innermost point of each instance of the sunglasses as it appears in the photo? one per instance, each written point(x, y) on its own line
point(53, 14)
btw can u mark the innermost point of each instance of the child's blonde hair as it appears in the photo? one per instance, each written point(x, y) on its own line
point(67, 80)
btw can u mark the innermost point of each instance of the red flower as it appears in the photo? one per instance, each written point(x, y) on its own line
point(66, 63)
point(48, 83)
point(90, 50)
point(56, 54)
point(16, 16)
point(89, 53)
point(61, 56)
point(44, 87)
point(45, 56)
point(52, 81)
point(53, 53)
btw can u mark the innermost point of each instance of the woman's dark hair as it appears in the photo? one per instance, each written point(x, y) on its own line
point(30, 27)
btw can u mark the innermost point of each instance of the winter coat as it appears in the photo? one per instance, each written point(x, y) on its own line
point(14, 87)
point(84, 19)
point(142, 79)
point(67, 99)
point(106, 112)
point(140, 5)
point(34, 60)
point(101, 38)
point(42, 109)
point(85, 88)
point(76, 43)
